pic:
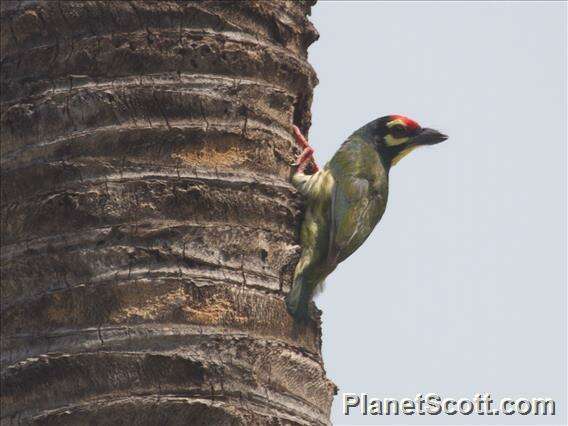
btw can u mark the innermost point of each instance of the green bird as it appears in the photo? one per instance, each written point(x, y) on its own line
point(346, 199)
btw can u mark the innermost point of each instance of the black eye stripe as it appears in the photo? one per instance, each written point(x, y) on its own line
point(398, 130)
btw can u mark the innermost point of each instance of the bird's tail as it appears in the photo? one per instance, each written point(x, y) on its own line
point(298, 299)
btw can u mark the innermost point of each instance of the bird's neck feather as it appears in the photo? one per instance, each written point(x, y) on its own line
point(389, 155)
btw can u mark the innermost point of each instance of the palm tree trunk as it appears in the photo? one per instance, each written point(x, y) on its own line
point(149, 230)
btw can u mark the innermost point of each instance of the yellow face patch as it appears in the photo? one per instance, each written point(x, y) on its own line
point(390, 140)
point(402, 154)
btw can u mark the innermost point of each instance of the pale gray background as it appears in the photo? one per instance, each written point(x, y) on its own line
point(462, 286)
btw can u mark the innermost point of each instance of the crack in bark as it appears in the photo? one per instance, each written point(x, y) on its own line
point(203, 115)
point(100, 335)
point(159, 105)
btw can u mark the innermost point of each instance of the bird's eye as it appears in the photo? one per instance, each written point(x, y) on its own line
point(398, 130)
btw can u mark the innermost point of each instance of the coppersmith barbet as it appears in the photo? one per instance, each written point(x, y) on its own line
point(347, 198)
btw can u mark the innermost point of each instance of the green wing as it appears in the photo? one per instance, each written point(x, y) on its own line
point(351, 201)
point(359, 196)
point(350, 217)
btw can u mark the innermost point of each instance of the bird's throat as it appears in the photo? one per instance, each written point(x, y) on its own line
point(401, 154)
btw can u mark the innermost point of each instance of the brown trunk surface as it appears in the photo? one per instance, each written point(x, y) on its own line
point(149, 229)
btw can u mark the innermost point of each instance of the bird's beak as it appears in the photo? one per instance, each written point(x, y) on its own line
point(429, 137)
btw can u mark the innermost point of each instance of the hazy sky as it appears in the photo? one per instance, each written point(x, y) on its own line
point(461, 289)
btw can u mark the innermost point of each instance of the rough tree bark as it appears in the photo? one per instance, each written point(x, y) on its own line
point(149, 230)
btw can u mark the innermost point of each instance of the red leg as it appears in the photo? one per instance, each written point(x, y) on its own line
point(304, 159)
point(300, 139)
point(307, 154)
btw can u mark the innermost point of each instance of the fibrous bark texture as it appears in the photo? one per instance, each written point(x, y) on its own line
point(149, 230)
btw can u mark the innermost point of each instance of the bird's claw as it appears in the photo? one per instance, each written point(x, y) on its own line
point(307, 154)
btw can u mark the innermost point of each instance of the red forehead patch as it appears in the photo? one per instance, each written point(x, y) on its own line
point(409, 123)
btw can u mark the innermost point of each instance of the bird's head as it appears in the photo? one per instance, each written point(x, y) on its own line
point(396, 136)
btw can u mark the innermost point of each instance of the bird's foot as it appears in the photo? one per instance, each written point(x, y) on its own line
point(307, 154)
